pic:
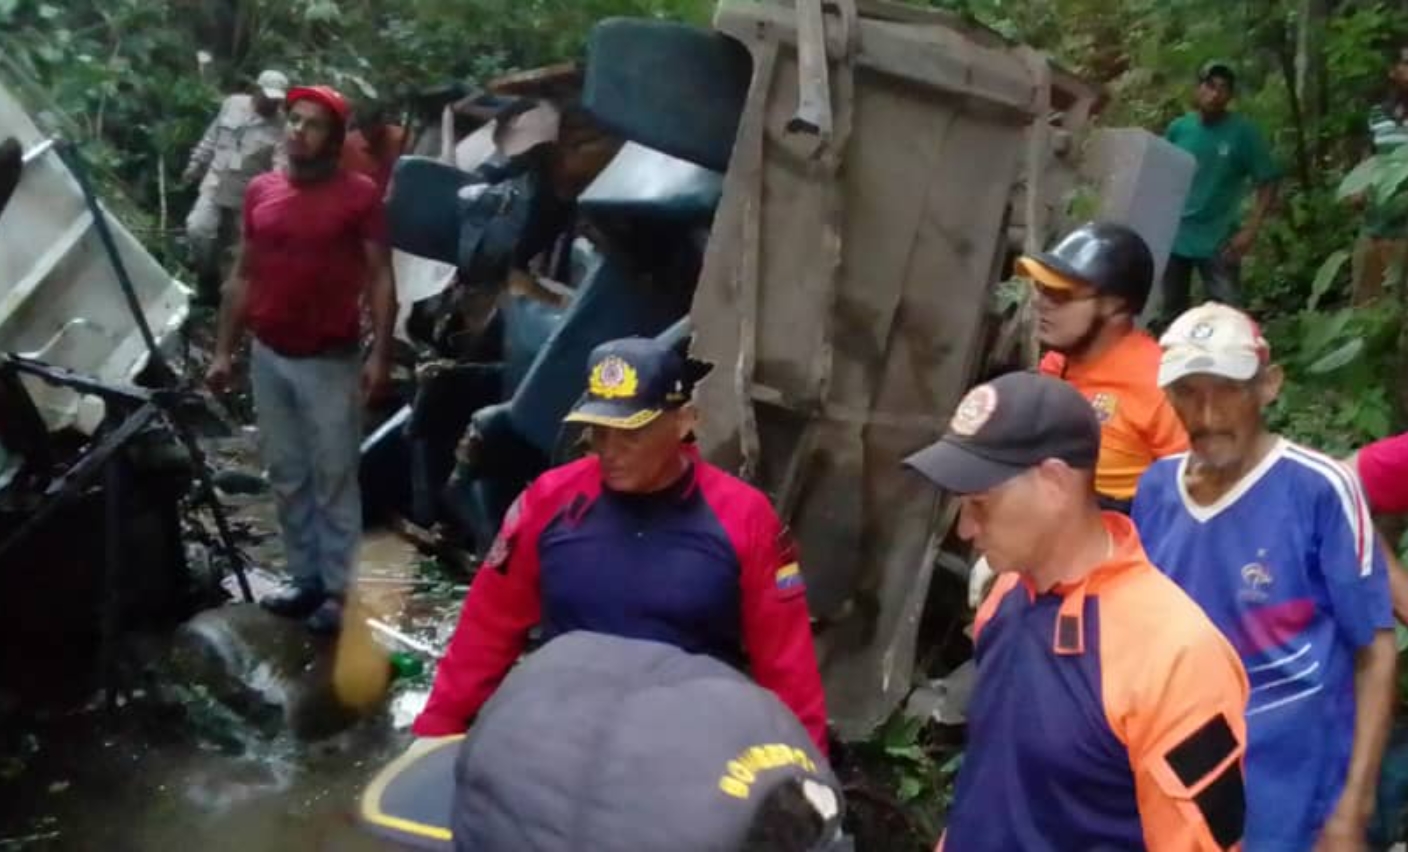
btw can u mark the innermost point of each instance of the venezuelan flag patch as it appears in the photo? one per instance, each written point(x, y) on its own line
point(789, 579)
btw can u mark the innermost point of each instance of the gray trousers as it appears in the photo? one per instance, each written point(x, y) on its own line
point(212, 232)
point(1221, 279)
point(309, 413)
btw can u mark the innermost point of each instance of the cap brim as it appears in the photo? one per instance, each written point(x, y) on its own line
point(616, 415)
point(275, 94)
point(1178, 363)
point(1047, 272)
point(957, 469)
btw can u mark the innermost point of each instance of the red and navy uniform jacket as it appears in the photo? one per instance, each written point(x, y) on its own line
point(706, 566)
point(1108, 714)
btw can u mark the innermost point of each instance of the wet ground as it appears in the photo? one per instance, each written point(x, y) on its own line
point(173, 769)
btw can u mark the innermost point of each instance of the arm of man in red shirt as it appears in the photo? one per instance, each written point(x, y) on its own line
point(381, 299)
point(234, 299)
point(502, 605)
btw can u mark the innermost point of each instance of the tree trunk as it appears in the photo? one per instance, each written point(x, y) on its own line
point(1310, 83)
point(1286, 56)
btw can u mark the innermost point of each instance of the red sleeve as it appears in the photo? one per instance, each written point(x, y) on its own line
point(777, 631)
point(1383, 470)
point(502, 605)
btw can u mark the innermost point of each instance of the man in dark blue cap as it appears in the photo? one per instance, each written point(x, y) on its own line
point(1108, 711)
point(641, 539)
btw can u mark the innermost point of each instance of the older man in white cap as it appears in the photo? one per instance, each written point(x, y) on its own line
point(244, 140)
point(1275, 542)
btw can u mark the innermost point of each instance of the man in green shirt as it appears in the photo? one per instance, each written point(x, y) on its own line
point(1379, 252)
point(1231, 154)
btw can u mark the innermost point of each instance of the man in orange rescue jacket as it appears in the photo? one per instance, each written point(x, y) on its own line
point(1108, 711)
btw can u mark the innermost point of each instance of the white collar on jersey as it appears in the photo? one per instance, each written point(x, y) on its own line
point(1203, 514)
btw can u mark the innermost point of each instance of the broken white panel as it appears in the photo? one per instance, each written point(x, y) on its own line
point(417, 278)
point(60, 300)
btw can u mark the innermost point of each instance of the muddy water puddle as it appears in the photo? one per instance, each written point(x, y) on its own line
point(173, 769)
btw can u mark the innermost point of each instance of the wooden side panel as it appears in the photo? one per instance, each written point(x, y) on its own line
point(922, 191)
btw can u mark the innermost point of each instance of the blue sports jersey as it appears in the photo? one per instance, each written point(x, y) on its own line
point(1286, 564)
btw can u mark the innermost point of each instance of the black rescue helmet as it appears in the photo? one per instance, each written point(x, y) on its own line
point(1112, 259)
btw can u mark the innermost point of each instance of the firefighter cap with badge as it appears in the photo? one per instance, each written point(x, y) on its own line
point(633, 380)
point(1008, 426)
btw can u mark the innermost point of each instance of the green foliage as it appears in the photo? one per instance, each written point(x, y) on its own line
point(1329, 271)
point(907, 755)
point(1340, 363)
point(1335, 397)
point(1379, 178)
point(135, 82)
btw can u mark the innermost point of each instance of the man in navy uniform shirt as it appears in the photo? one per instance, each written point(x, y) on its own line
point(641, 539)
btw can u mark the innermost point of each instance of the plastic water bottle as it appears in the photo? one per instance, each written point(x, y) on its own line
point(406, 666)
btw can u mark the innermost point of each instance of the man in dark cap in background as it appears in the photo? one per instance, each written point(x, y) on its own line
point(642, 539)
point(1089, 289)
point(1231, 153)
point(1121, 726)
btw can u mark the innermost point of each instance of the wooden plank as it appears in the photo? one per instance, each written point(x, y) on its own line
point(813, 114)
point(937, 57)
point(1063, 78)
point(748, 163)
point(1034, 235)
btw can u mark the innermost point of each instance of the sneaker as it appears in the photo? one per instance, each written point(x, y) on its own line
point(293, 601)
point(327, 619)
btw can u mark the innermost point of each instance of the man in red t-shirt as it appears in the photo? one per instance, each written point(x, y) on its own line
point(314, 241)
point(1383, 472)
point(375, 145)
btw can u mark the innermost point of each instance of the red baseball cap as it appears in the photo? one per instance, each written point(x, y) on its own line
point(325, 95)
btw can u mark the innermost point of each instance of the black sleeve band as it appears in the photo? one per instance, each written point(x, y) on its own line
point(1224, 806)
point(1205, 748)
point(1223, 802)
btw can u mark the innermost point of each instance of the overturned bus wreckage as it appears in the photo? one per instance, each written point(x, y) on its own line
point(95, 466)
point(820, 199)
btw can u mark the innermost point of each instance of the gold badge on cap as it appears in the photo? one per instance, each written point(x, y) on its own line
point(613, 378)
point(974, 411)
